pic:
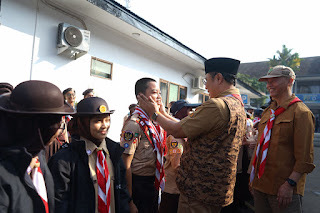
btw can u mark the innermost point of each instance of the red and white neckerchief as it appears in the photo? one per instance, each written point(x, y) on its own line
point(237, 96)
point(256, 120)
point(104, 184)
point(157, 137)
point(265, 140)
point(38, 182)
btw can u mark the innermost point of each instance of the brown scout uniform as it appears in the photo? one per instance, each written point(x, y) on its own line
point(290, 149)
point(209, 163)
point(175, 150)
point(136, 143)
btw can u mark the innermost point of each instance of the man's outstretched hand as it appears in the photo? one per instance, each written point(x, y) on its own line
point(147, 104)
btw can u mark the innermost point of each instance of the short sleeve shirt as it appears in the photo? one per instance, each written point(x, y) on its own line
point(198, 123)
point(175, 150)
point(136, 143)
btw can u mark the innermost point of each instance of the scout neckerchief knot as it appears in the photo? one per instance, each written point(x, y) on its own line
point(265, 141)
point(104, 184)
point(237, 96)
point(38, 182)
point(156, 136)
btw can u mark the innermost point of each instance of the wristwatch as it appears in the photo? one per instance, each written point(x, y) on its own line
point(155, 116)
point(291, 182)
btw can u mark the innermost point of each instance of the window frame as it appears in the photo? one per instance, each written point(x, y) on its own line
point(104, 61)
point(168, 83)
point(204, 95)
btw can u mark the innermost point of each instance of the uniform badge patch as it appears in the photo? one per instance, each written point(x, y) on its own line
point(174, 144)
point(128, 135)
point(126, 145)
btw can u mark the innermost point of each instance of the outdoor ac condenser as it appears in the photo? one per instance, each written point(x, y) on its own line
point(73, 42)
point(198, 83)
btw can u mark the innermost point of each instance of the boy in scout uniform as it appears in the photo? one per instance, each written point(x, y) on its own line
point(143, 141)
point(207, 173)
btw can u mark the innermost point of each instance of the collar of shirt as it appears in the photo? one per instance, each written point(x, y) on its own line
point(228, 92)
point(285, 104)
point(91, 147)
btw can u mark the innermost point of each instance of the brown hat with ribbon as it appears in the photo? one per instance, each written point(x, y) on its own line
point(35, 97)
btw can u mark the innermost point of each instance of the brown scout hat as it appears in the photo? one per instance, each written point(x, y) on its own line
point(35, 97)
point(93, 106)
point(279, 71)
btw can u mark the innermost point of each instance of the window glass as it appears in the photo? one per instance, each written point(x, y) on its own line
point(200, 98)
point(164, 92)
point(306, 87)
point(173, 92)
point(183, 93)
point(101, 68)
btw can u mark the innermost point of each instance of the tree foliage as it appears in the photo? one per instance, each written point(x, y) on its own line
point(253, 82)
point(286, 58)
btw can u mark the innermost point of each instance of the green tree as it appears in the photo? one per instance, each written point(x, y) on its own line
point(257, 85)
point(253, 82)
point(286, 58)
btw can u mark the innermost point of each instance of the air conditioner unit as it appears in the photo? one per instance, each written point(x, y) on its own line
point(198, 83)
point(72, 41)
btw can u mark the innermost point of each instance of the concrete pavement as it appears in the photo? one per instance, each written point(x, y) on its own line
point(311, 199)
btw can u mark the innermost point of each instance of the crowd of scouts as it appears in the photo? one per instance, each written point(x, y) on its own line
point(56, 157)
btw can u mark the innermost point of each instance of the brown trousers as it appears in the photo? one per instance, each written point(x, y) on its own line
point(188, 205)
point(265, 203)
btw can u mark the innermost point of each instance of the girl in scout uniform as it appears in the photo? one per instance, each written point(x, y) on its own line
point(89, 174)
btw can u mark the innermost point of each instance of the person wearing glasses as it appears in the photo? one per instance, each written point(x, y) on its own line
point(30, 119)
point(69, 95)
point(207, 173)
point(88, 173)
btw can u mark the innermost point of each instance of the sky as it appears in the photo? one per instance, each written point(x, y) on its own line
point(248, 30)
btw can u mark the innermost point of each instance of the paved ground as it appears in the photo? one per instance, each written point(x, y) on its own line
point(311, 199)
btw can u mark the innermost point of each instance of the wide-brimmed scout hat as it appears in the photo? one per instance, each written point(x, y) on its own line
point(93, 106)
point(178, 105)
point(35, 97)
point(279, 71)
point(222, 65)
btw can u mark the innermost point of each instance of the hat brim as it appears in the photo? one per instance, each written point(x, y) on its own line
point(192, 105)
point(5, 106)
point(266, 77)
point(94, 113)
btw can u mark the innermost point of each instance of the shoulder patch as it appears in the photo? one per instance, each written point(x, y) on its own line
point(128, 135)
point(174, 144)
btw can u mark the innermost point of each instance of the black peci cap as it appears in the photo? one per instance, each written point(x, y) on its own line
point(222, 65)
point(93, 106)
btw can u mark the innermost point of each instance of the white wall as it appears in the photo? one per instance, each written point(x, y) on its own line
point(131, 60)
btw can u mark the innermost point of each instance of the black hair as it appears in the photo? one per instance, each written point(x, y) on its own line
point(142, 85)
point(68, 90)
point(230, 78)
point(87, 91)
